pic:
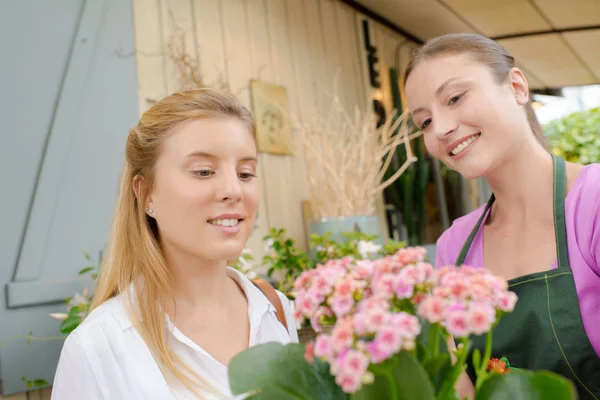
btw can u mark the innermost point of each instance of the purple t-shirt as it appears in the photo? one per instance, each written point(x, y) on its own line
point(582, 214)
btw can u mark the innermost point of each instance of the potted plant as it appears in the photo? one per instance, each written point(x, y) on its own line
point(390, 319)
point(346, 158)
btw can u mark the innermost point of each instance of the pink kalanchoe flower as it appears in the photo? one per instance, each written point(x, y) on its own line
point(411, 255)
point(315, 319)
point(405, 324)
point(355, 363)
point(376, 354)
point(321, 286)
point(480, 317)
point(375, 319)
point(342, 335)
point(342, 305)
point(458, 288)
point(506, 301)
point(307, 303)
point(383, 285)
point(402, 289)
point(349, 383)
point(324, 347)
point(389, 341)
point(457, 323)
point(432, 309)
point(344, 288)
point(309, 354)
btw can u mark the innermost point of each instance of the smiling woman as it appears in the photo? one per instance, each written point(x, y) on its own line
point(168, 314)
point(541, 228)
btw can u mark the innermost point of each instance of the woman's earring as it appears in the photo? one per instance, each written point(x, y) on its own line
point(149, 210)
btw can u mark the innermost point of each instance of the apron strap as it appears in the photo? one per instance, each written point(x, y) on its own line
point(465, 249)
point(560, 227)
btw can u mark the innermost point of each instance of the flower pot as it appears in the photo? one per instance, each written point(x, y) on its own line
point(307, 333)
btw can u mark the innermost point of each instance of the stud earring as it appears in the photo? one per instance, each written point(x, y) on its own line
point(149, 210)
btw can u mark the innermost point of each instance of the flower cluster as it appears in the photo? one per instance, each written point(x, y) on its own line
point(373, 307)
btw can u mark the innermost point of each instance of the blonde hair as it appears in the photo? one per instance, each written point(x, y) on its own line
point(134, 254)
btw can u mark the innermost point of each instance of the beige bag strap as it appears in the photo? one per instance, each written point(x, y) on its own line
point(273, 297)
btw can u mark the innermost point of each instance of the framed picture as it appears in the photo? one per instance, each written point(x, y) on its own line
point(270, 108)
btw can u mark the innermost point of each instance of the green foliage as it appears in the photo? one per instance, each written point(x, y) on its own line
point(284, 258)
point(526, 385)
point(355, 244)
point(276, 371)
point(576, 137)
point(401, 377)
point(34, 384)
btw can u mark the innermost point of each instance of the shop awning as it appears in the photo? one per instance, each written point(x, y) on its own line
point(556, 42)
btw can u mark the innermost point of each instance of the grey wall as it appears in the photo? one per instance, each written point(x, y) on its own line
point(68, 94)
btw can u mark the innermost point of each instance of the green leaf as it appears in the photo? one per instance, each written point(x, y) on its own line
point(526, 385)
point(86, 254)
point(69, 324)
point(438, 368)
point(74, 311)
point(40, 383)
point(86, 270)
point(276, 371)
point(400, 378)
point(36, 383)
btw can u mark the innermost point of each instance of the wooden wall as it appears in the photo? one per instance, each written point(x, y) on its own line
point(300, 44)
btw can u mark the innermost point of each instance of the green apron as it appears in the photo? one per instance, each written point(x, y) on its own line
point(545, 330)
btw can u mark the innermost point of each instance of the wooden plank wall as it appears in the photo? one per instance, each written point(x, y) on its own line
point(300, 44)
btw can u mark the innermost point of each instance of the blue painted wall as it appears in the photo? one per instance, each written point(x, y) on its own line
point(68, 95)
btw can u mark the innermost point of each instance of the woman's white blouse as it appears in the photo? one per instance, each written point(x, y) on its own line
point(106, 358)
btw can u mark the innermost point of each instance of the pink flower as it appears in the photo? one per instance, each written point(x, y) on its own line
point(342, 305)
point(363, 269)
point(480, 317)
point(348, 382)
point(321, 286)
point(405, 324)
point(432, 309)
point(344, 288)
point(411, 255)
point(309, 354)
point(506, 301)
point(389, 341)
point(418, 298)
point(376, 354)
point(383, 286)
point(315, 320)
point(323, 347)
point(354, 363)
point(458, 288)
point(479, 291)
point(307, 302)
point(375, 319)
point(412, 275)
point(342, 335)
point(403, 289)
point(457, 323)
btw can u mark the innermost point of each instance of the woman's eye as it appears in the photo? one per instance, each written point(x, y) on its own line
point(454, 99)
point(246, 176)
point(425, 124)
point(204, 173)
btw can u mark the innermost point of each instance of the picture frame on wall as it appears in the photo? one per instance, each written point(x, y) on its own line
point(270, 108)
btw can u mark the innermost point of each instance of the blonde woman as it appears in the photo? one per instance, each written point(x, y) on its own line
point(168, 314)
